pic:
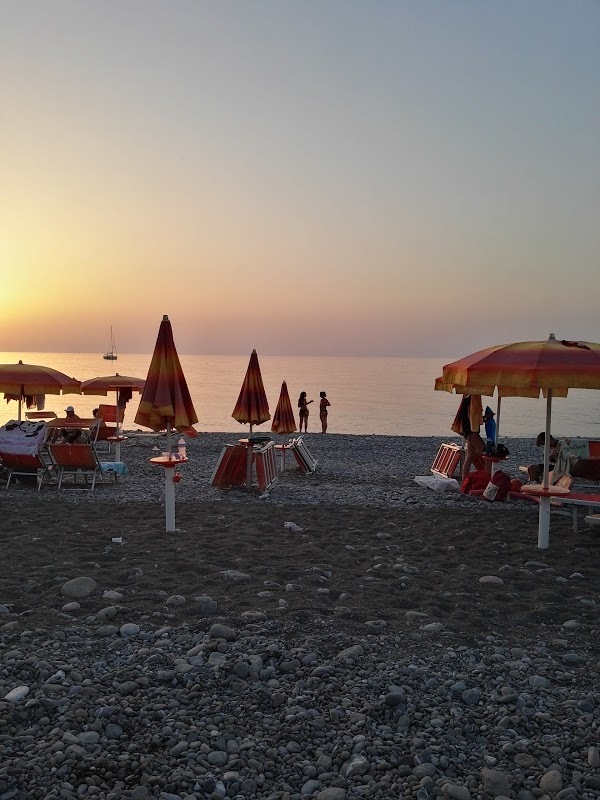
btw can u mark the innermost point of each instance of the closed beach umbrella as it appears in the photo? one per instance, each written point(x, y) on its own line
point(283, 419)
point(166, 403)
point(19, 381)
point(122, 385)
point(252, 407)
point(524, 369)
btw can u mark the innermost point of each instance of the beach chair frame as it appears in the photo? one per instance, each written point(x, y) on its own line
point(76, 460)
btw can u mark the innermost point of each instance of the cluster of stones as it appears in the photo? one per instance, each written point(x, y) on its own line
point(351, 470)
point(253, 712)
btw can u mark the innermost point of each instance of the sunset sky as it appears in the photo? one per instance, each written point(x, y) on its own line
point(392, 177)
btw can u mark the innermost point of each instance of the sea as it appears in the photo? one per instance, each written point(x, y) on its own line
point(370, 396)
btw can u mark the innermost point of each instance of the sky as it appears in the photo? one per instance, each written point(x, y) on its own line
point(384, 178)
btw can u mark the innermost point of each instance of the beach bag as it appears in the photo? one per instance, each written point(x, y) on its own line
point(501, 451)
point(475, 481)
point(498, 487)
point(516, 485)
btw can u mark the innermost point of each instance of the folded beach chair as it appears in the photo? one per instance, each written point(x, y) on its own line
point(304, 458)
point(22, 451)
point(447, 460)
point(81, 461)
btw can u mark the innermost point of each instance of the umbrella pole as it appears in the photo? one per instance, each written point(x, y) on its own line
point(169, 489)
point(498, 420)
point(19, 411)
point(117, 432)
point(544, 515)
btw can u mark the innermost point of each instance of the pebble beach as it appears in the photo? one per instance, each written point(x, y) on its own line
point(349, 634)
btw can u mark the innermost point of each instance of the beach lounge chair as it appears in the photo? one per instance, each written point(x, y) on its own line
point(80, 461)
point(22, 451)
point(304, 458)
point(107, 416)
point(39, 415)
point(266, 466)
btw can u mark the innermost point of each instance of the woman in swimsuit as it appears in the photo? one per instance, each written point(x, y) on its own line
point(303, 414)
point(323, 411)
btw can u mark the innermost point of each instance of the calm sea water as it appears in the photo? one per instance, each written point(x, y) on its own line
point(392, 396)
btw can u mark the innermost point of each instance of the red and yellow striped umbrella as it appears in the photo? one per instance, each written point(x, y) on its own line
point(252, 407)
point(525, 369)
point(19, 381)
point(166, 402)
point(283, 419)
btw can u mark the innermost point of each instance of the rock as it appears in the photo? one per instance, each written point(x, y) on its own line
point(332, 793)
point(254, 616)
point(129, 629)
point(493, 579)
point(432, 627)
point(354, 653)
point(495, 782)
point(17, 694)
point(235, 576)
point(218, 631)
point(68, 608)
point(457, 792)
point(551, 781)
point(114, 597)
point(78, 588)
point(175, 600)
point(593, 757)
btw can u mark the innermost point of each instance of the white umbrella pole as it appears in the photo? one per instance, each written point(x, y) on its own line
point(498, 420)
point(544, 515)
point(117, 443)
point(169, 489)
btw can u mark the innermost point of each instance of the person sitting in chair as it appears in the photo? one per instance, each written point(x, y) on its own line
point(535, 472)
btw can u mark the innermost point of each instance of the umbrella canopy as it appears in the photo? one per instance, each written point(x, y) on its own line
point(112, 383)
point(525, 369)
point(124, 386)
point(24, 380)
point(252, 407)
point(166, 402)
point(283, 419)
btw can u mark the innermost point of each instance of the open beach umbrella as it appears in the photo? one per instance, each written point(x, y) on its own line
point(19, 381)
point(283, 419)
point(252, 407)
point(524, 369)
point(166, 404)
point(123, 386)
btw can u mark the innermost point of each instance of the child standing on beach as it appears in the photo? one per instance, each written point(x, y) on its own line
point(323, 411)
point(303, 413)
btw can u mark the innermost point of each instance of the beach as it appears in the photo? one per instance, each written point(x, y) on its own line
point(389, 642)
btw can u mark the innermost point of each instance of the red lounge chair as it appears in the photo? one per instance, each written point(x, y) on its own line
point(22, 451)
point(76, 460)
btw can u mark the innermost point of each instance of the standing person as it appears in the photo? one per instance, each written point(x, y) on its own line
point(466, 423)
point(490, 430)
point(303, 413)
point(324, 402)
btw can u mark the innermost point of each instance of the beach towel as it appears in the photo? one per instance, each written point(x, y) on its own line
point(22, 438)
point(475, 411)
point(570, 451)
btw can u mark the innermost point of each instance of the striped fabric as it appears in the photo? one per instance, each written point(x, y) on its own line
point(283, 419)
point(166, 398)
point(252, 407)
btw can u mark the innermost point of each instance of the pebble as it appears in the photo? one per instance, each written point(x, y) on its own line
point(78, 588)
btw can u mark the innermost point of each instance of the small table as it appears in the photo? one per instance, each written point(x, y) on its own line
point(167, 463)
point(544, 491)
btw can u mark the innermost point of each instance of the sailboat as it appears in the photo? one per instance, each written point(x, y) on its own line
point(111, 355)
